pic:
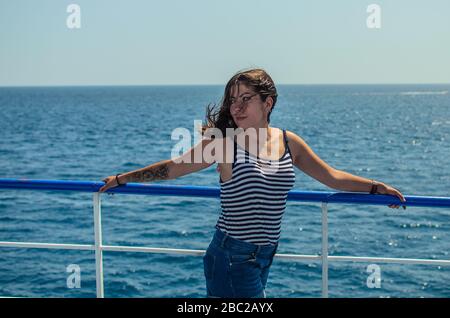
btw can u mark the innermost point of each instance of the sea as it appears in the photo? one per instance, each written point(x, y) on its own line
point(397, 134)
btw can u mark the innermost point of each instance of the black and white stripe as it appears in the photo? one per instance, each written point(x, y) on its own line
point(254, 200)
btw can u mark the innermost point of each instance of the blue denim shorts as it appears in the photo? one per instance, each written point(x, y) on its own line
point(236, 269)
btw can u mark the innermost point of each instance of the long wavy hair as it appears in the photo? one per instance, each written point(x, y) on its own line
point(258, 80)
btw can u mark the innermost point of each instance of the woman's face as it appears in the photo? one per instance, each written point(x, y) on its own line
point(247, 108)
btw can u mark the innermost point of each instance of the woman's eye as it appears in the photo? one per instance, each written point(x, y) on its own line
point(246, 99)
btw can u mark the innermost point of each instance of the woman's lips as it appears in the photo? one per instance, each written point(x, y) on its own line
point(240, 118)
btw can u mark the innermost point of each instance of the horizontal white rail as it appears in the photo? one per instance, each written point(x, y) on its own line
point(48, 245)
point(141, 249)
point(162, 250)
point(418, 261)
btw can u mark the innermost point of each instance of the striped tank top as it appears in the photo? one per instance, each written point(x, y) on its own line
point(254, 199)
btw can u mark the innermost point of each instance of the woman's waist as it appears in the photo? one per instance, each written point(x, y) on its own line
point(222, 239)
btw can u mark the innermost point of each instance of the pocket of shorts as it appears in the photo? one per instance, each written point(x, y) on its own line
point(241, 259)
point(209, 263)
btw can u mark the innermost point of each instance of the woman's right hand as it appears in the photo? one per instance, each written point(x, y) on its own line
point(110, 182)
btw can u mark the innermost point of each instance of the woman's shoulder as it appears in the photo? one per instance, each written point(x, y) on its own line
point(280, 131)
point(292, 135)
point(296, 144)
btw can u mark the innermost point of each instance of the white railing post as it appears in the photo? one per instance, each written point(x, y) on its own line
point(98, 245)
point(324, 250)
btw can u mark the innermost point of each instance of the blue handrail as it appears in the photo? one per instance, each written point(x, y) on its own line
point(202, 191)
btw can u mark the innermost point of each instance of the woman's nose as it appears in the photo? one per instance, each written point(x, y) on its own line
point(238, 109)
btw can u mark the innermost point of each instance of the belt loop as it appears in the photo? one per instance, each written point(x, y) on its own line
point(257, 251)
point(222, 244)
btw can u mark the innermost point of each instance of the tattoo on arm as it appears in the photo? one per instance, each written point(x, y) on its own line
point(161, 172)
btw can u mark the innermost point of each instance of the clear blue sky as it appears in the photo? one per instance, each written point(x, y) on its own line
point(149, 42)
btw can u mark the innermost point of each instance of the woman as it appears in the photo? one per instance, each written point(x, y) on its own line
point(253, 186)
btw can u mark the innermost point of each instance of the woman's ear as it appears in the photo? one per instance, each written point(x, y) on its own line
point(268, 104)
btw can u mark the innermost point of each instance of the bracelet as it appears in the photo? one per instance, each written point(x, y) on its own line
point(374, 187)
point(117, 179)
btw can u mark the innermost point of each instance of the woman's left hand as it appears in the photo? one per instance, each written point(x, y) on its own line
point(385, 189)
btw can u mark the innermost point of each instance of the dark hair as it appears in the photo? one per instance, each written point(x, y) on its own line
point(258, 80)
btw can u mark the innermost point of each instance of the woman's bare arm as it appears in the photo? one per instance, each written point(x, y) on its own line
point(170, 169)
point(306, 160)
